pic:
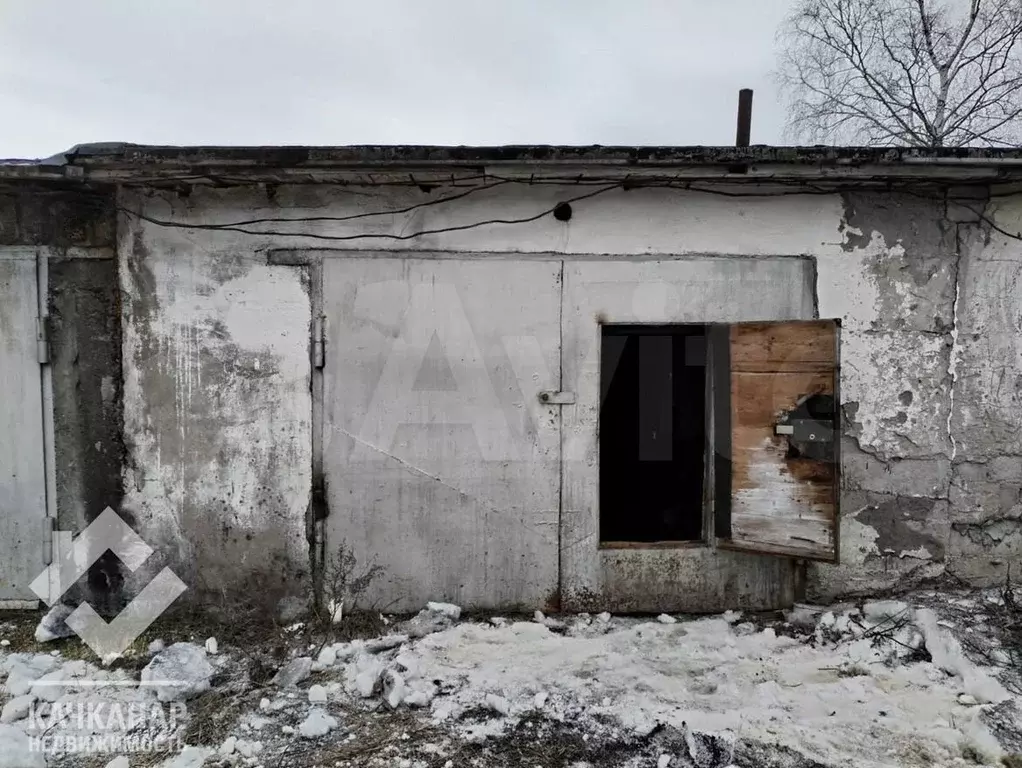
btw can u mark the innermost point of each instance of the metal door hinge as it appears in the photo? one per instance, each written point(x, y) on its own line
point(48, 526)
point(42, 340)
point(318, 343)
point(557, 398)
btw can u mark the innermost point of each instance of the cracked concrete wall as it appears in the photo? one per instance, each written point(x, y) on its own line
point(219, 449)
point(986, 421)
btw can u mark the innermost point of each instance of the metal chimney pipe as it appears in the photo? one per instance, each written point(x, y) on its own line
point(744, 117)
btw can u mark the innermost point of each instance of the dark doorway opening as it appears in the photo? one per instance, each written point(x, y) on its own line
point(652, 432)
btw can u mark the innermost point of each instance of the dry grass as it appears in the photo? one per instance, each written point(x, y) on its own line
point(213, 716)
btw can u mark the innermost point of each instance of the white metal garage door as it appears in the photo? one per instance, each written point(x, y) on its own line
point(441, 461)
point(22, 473)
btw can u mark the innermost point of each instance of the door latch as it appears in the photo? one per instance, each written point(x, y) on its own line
point(810, 427)
point(557, 398)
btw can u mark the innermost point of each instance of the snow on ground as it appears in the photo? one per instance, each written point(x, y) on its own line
point(836, 703)
point(884, 684)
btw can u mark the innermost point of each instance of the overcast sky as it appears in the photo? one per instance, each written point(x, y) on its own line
point(383, 71)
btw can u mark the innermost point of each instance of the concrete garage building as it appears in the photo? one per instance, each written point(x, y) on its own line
point(621, 378)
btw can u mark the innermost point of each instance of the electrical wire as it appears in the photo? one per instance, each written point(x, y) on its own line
point(372, 235)
point(798, 187)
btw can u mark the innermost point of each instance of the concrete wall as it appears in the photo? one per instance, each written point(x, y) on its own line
point(217, 410)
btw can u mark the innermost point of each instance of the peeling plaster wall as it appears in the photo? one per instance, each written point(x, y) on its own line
point(217, 411)
point(219, 449)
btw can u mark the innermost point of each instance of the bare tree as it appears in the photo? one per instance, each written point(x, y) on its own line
point(923, 73)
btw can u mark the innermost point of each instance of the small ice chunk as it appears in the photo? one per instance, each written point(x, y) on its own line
point(420, 694)
point(449, 610)
point(317, 694)
point(227, 748)
point(603, 618)
point(539, 700)
point(212, 646)
point(53, 625)
point(294, 672)
point(663, 761)
point(665, 618)
point(179, 673)
point(119, 762)
point(156, 646)
point(318, 723)
point(327, 657)
point(394, 688)
point(367, 681)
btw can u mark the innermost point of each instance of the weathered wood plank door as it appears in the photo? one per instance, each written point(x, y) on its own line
point(440, 458)
point(784, 439)
point(22, 461)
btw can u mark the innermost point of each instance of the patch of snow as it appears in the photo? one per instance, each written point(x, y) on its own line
point(709, 676)
point(52, 626)
point(190, 757)
point(50, 686)
point(666, 618)
point(247, 748)
point(877, 611)
point(449, 610)
point(394, 688)
point(119, 762)
point(17, 708)
point(16, 749)
point(156, 646)
point(179, 673)
point(947, 654)
point(318, 723)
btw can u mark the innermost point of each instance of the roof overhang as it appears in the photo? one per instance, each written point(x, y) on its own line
point(118, 163)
